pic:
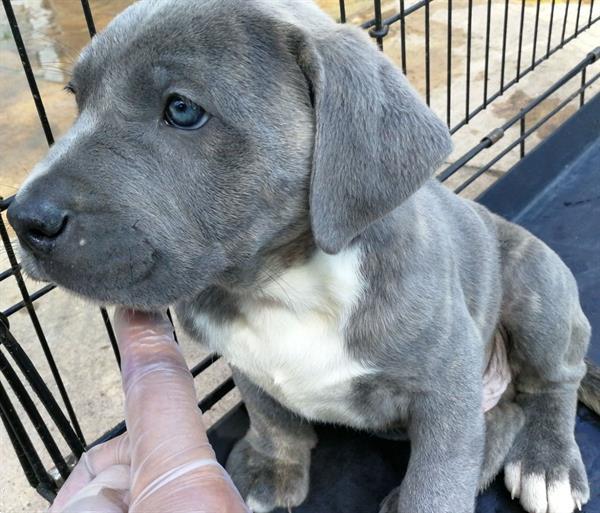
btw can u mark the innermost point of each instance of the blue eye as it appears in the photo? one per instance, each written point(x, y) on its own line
point(183, 113)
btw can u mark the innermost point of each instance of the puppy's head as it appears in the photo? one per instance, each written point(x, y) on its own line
point(211, 133)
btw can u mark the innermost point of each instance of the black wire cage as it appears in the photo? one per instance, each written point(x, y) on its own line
point(464, 57)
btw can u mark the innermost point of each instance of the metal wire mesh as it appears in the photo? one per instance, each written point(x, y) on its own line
point(459, 103)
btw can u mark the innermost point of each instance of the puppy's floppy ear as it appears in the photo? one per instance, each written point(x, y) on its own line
point(376, 142)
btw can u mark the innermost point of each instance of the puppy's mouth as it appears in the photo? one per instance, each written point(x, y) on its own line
point(104, 267)
point(124, 272)
point(30, 267)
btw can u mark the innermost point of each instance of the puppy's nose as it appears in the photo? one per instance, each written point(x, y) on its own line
point(38, 224)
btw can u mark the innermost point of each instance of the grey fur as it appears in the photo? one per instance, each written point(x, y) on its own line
point(272, 462)
point(316, 143)
point(503, 424)
point(358, 178)
point(589, 392)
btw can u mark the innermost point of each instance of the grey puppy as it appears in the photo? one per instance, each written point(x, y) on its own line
point(269, 173)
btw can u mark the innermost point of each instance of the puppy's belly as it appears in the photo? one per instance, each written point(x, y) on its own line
point(300, 360)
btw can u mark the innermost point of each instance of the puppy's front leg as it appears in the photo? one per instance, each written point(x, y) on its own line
point(270, 465)
point(447, 437)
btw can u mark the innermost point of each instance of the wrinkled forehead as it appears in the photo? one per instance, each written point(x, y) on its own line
point(155, 42)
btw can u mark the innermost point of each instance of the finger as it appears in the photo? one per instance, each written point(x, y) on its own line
point(106, 493)
point(93, 462)
point(163, 420)
point(203, 483)
point(107, 502)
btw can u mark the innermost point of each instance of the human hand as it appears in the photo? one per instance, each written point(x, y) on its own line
point(164, 463)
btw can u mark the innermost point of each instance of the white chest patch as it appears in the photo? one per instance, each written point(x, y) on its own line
point(289, 338)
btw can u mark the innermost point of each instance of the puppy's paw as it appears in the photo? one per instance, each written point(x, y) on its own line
point(548, 478)
point(267, 483)
point(391, 504)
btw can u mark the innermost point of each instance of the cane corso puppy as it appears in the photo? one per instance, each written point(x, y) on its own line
point(269, 173)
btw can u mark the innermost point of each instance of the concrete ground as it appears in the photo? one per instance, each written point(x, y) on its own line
point(54, 33)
